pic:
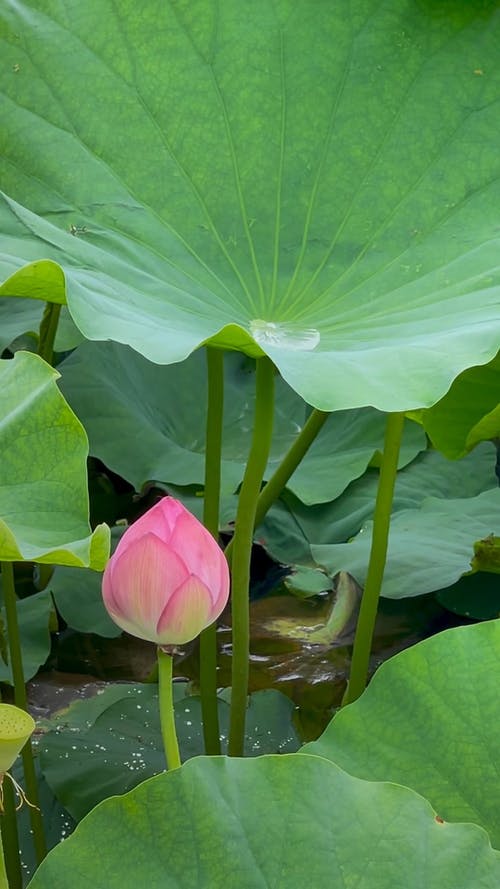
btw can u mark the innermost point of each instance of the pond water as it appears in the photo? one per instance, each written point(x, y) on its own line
point(312, 675)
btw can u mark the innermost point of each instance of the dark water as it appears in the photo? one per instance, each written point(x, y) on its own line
point(282, 656)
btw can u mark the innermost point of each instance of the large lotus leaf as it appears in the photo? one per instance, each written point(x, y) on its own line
point(78, 596)
point(429, 547)
point(41, 280)
point(316, 181)
point(291, 528)
point(107, 745)
point(33, 615)
point(468, 413)
point(148, 423)
point(275, 821)
point(18, 316)
point(474, 595)
point(43, 474)
point(430, 719)
point(67, 335)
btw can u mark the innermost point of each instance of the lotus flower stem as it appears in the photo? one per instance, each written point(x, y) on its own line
point(208, 638)
point(10, 858)
point(376, 565)
point(273, 488)
point(242, 548)
point(48, 330)
point(167, 715)
point(20, 698)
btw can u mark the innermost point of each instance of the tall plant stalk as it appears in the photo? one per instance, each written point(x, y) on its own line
point(213, 448)
point(4, 883)
point(10, 839)
point(48, 330)
point(242, 548)
point(378, 553)
point(167, 713)
point(273, 488)
point(20, 699)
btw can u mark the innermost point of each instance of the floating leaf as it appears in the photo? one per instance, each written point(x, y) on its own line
point(306, 582)
point(107, 745)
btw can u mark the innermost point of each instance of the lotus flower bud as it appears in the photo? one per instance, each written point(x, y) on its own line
point(168, 579)
point(16, 726)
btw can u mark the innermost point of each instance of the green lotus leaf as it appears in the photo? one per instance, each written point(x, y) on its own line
point(34, 616)
point(18, 316)
point(148, 423)
point(78, 597)
point(108, 744)
point(41, 280)
point(43, 476)
point(77, 594)
point(434, 725)
point(292, 820)
point(474, 595)
point(311, 181)
point(290, 528)
point(468, 413)
point(488, 428)
point(429, 547)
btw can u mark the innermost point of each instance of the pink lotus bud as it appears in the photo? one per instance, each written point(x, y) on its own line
point(168, 579)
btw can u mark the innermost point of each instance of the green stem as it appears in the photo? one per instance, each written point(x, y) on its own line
point(272, 490)
point(11, 859)
point(242, 549)
point(4, 883)
point(20, 699)
point(376, 565)
point(213, 449)
point(48, 330)
point(167, 715)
